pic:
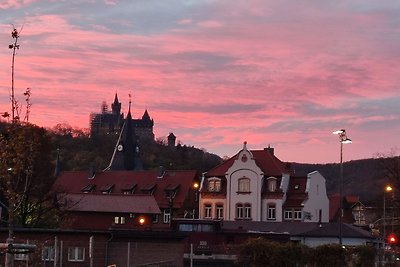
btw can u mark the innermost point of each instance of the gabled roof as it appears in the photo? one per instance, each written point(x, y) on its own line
point(332, 230)
point(265, 160)
point(73, 181)
point(296, 194)
point(144, 204)
point(305, 229)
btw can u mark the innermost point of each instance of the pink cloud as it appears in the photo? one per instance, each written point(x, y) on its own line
point(219, 73)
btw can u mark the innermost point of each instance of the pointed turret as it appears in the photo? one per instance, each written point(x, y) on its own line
point(146, 120)
point(116, 106)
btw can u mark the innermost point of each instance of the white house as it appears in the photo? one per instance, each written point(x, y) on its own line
point(254, 185)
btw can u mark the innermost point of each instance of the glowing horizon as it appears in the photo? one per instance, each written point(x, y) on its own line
point(216, 73)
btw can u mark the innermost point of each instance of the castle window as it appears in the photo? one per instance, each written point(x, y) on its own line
point(214, 184)
point(271, 211)
point(244, 185)
point(219, 211)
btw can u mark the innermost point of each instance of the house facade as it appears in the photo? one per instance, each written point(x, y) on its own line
point(254, 185)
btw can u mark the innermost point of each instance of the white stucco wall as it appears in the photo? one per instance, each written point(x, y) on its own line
point(239, 169)
point(317, 198)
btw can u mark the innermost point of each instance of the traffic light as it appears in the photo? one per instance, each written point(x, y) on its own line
point(392, 239)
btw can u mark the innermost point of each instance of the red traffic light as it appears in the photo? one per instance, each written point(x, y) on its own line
point(392, 239)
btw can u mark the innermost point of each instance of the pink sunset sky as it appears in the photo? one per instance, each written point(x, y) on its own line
point(216, 73)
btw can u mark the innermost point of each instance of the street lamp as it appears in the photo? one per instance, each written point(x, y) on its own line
point(343, 139)
point(388, 189)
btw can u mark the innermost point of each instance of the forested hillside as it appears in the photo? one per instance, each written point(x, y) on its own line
point(365, 178)
point(77, 151)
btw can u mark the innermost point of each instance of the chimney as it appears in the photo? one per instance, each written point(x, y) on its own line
point(269, 149)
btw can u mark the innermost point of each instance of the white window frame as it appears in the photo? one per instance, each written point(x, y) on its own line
point(298, 214)
point(247, 211)
point(166, 216)
point(288, 214)
point(207, 211)
point(48, 253)
point(271, 211)
point(239, 211)
point(219, 211)
point(74, 254)
point(244, 185)
point(119, 220)
point(214, 184)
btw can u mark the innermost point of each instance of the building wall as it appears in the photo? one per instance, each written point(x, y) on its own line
point(317, 198)
point(244, 167)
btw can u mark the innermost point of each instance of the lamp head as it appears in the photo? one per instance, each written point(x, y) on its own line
point(339, 131)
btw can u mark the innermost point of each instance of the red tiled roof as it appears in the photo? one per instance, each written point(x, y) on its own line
point(74, 181)
point(266, 161)
point(296, 193)
point(352, 199)
point(334, 206)
point(145, 204)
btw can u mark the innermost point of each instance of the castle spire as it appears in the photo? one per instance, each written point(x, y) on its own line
point(116, 106)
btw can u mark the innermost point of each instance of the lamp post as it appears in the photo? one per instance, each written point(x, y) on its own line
point(388, 189)
point(343, 139)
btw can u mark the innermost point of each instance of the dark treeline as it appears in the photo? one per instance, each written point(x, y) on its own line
point(365, 178)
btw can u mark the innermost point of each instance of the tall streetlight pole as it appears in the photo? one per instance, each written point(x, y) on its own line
point(388, 189)
point(343, 139)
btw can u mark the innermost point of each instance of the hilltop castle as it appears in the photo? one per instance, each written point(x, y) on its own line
point(110, 122)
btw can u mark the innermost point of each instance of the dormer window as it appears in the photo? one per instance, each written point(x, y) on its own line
point(271, 181)
point(171, 190)
point(128, 189)
point(214, 184)
point(148, 189)
point(107, 189)
point(88, 188)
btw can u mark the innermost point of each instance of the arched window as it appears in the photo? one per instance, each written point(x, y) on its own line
point(247, 211)
point(271, 184)
point(239, 211)
point(244, 185)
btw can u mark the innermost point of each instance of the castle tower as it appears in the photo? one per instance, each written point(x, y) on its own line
point(116, 106)
point(126, 154)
